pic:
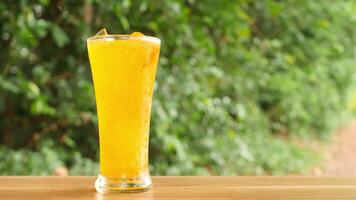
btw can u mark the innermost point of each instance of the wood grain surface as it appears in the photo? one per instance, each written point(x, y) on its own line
point(184, 187)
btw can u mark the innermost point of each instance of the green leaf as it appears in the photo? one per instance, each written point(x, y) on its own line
point(8, 85)
point(59, 36)
point(274, 8)
point(33, 90)
point(40, 106)
point(124, 22)
point(45, 2)
point(42, 27)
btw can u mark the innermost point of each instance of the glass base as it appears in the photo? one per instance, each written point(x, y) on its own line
point(104, 184)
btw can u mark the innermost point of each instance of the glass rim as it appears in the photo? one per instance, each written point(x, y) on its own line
point(124, 37)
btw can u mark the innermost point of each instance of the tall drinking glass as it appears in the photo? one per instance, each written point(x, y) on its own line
point(123, 69)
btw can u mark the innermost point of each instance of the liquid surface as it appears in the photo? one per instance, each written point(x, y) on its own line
point(123, 73)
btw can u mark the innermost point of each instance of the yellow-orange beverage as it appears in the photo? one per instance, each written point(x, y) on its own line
point(123, 69)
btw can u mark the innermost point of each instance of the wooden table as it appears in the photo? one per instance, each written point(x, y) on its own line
point(170, 187)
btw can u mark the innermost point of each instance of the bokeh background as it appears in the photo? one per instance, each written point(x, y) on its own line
point(247, 87)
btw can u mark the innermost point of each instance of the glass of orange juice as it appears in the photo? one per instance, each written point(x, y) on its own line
point(124, 70)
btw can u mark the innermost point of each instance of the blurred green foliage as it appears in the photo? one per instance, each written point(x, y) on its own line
point(238, 82)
